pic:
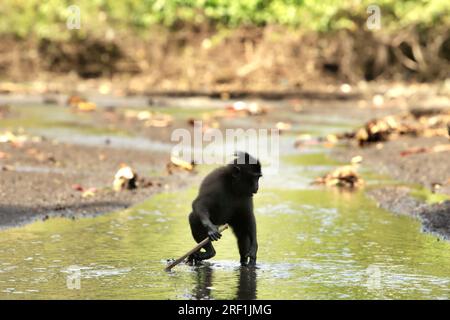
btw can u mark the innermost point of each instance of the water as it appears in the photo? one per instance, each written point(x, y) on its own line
point(314, 243)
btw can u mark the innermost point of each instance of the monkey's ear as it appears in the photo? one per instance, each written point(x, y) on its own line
point(236, 172)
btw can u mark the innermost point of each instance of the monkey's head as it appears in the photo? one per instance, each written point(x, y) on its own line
point(245, 172)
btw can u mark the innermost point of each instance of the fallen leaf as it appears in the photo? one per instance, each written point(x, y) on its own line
point(356, 159)
point(417, 122)
point(331, 138)
point(143, 115)
point(178, 162)
point(159, 120)
point(77, 187)
point(283, 126)
point(81, 104)
point(417, 150)
point(74, 100)
point(251, 108)
point(89, 192)
point(15, 140)
point(86, 106)
point(345, 176)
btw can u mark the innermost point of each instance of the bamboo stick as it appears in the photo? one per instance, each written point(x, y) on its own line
point(195, 249)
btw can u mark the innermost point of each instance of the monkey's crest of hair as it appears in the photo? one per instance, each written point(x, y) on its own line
point(241, 157)
point(245, 161)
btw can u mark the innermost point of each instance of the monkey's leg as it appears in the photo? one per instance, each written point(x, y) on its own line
point(244, 248)
point(199, 255)
point(209, 252)
point(199, 233)
point(252, 254)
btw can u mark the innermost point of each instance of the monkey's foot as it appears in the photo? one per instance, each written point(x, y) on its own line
point(194, 259)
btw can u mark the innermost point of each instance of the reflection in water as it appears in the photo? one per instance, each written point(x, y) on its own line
point(246, 283)
point(202, 289)
point(246, 289)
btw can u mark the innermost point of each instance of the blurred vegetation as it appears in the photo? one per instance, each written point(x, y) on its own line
point(47, 19)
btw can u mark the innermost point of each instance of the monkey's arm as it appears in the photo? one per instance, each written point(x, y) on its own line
point(201, 208)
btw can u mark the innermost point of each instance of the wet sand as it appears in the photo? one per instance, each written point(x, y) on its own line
point(39, 186)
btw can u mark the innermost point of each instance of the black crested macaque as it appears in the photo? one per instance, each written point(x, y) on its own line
point(226, 196)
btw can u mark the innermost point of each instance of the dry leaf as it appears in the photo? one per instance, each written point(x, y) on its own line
point(86, 106)
point(252, 108)
point(178, 162)
point(420, 122)
point(283, 126)
point(417, 150)
point(345, 176)
point(81, 104)
point(356, 159)
point(15, 140)
point(89, 193)
point(77, 187)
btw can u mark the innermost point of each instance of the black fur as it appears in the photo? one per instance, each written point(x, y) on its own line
point(226, 196)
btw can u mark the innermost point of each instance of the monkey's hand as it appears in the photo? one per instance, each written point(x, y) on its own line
point(213, 233)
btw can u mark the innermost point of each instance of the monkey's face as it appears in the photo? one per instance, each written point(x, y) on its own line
point(246, 179)
point(254, 186)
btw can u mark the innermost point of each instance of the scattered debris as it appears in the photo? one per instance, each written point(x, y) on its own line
point(345, 88)
point(159, 120)
point(345, 177)
point(417, 122)
point(181, 163)
point(89, 193)
point(178, 163)
point(150, 118)
point(378, 100)
point(283, 126)
point(417, 150)
point(86, 106)
point(81, 104)
point(435, 187)
point(251, 108)
point(356, 160)
point(85, 193)
point(77, 187)
point(13, 139)
point(125, 179)
point(207, 122)
point(146, 183)
point(308, 140)
point(41, 156)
